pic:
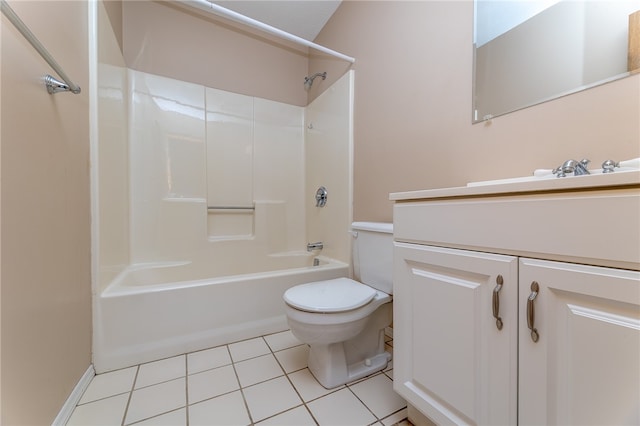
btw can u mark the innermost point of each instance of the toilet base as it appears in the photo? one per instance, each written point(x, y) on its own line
point(335, 362)
point(328, 366)
point(338, 363)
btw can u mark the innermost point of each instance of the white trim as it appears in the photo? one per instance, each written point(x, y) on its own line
point(70, 404)
point(235, 16)
point(383, 227)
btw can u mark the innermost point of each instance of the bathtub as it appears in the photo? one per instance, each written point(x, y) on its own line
point(157, 310)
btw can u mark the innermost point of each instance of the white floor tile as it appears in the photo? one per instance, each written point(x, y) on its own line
point(272, 397)
point(340, 408)
point(293, 359)
point(227, 410)
point(377, 394)
point(208, 359)
point(297, 417)
point(256, 370)
point(109, 411)
point(283, 340)
point(212, 383)
point(174, 418)
point(109, 384)
point(307, 385)
point(161, 371)
point(212, 390)
point(395, 418)
point(157, 399)
point(248, 349)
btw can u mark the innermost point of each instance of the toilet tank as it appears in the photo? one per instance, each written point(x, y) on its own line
point(372, 253)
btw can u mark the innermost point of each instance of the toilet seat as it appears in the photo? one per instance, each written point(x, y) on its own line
point(337, 295)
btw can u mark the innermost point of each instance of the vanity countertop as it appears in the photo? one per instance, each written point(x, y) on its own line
point(570, 183)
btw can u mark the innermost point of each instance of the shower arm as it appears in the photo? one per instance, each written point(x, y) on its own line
point(308, 81)
point(318, 74)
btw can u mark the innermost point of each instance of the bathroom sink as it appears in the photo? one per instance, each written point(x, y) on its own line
point(540, 175)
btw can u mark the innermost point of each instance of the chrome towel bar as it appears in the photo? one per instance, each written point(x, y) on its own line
point(53, 85)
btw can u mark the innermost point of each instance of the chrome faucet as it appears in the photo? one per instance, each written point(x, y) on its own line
point(572, 166)
point(315, 246)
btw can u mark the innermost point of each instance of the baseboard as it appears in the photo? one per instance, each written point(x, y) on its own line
point(70, 404)
point(417, 418)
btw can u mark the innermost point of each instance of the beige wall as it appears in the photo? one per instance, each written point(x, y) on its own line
point(412, 131)
point(45, 265)
point(113, 9)
point(188, 45)
point(413, 107)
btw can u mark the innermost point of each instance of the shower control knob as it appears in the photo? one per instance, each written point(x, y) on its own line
point(321, 197)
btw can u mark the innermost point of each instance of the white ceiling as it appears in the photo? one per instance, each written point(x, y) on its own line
point(304, 18)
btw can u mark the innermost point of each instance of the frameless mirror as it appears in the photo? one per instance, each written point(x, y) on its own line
point(528, 52)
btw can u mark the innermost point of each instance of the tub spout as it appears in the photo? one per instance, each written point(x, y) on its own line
point(315, 246)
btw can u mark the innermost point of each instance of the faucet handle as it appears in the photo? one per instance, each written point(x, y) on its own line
point(608, 166)
point(558, 172)
point(581, 168)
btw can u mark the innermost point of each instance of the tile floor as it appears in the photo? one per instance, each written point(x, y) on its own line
point(261, 381)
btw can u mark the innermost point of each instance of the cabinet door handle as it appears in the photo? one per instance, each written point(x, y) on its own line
point(496, 301)
point(535, 288)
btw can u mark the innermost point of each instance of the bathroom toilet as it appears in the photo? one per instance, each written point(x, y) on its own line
point(343, 320)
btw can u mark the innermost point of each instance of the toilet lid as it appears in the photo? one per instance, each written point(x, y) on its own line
point(340, 294)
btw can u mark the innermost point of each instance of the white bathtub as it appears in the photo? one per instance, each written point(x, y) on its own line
point(155, 311)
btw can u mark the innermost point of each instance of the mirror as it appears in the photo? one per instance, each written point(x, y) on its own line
point(529, 52)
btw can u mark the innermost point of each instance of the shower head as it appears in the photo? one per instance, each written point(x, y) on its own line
point(308, 81)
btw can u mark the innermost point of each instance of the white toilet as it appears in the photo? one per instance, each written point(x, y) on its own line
point(343, 320)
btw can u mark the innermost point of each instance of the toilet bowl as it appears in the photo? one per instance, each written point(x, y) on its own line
point(343, 320)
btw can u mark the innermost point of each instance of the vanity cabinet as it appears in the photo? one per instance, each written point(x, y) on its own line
point(568, 347)
point(450, 359)
point(585, 366)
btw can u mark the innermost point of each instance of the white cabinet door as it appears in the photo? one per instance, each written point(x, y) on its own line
point(584, 368)
point(451, 361)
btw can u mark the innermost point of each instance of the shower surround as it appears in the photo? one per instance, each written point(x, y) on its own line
point(207, 227)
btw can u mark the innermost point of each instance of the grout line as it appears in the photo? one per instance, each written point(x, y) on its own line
point(155, 416)
point(186, 388)
point(212, 397)
point(285, 411)
point(272, 353)
point(358, 398)
point(241, 388)
point(101, 399)
point(304, 403)
point(133, 386)
point(246, 404)
point(284, 373)
point(393, 414)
